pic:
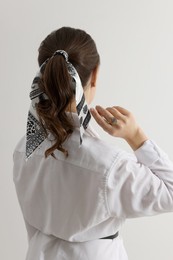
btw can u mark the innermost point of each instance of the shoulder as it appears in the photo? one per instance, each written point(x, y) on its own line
point(21, 144)
point(93, 155)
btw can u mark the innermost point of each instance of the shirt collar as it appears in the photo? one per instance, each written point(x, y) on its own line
point(90, 130)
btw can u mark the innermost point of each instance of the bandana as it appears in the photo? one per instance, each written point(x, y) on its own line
point(35, 134)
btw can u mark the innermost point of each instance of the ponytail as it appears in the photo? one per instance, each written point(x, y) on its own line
point(57, 84)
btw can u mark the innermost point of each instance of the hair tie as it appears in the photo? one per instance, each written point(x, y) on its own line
point(35, 134)
point(61, 52)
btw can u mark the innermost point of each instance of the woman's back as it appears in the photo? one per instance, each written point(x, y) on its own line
point(66, 198)
point(69, 204)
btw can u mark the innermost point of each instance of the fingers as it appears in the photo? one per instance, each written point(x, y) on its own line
point(122, 110)
point(105, 113)
point(114, 120)
point(110, 112)
point(101, 121)
point(117, 114)
point(119, 122)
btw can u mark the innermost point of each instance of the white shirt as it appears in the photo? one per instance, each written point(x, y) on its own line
point(69, 203)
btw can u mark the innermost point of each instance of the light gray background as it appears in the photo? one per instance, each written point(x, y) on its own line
point(135, 41)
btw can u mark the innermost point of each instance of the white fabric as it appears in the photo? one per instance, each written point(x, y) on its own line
point(68, 204)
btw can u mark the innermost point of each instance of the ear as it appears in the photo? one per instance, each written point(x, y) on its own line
point(94, 76)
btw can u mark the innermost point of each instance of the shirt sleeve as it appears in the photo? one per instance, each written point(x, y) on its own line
point(140, 184)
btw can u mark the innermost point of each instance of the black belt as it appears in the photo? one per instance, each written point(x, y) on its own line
point(111, 237)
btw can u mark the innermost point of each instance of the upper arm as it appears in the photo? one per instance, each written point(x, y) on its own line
point(135, 189)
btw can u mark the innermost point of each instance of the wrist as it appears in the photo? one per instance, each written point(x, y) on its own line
point(137, 139)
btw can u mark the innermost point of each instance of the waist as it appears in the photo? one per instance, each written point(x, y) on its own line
point(111, 237)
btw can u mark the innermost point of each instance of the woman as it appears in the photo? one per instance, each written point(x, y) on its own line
point(75, 190)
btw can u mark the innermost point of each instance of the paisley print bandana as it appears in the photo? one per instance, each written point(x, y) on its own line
point(35, 134)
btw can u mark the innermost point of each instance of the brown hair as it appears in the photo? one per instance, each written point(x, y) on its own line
point(57, 83)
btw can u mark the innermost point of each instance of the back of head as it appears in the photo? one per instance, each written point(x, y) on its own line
point(56, 82)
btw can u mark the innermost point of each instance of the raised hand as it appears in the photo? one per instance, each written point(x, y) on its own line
point(119, 122)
